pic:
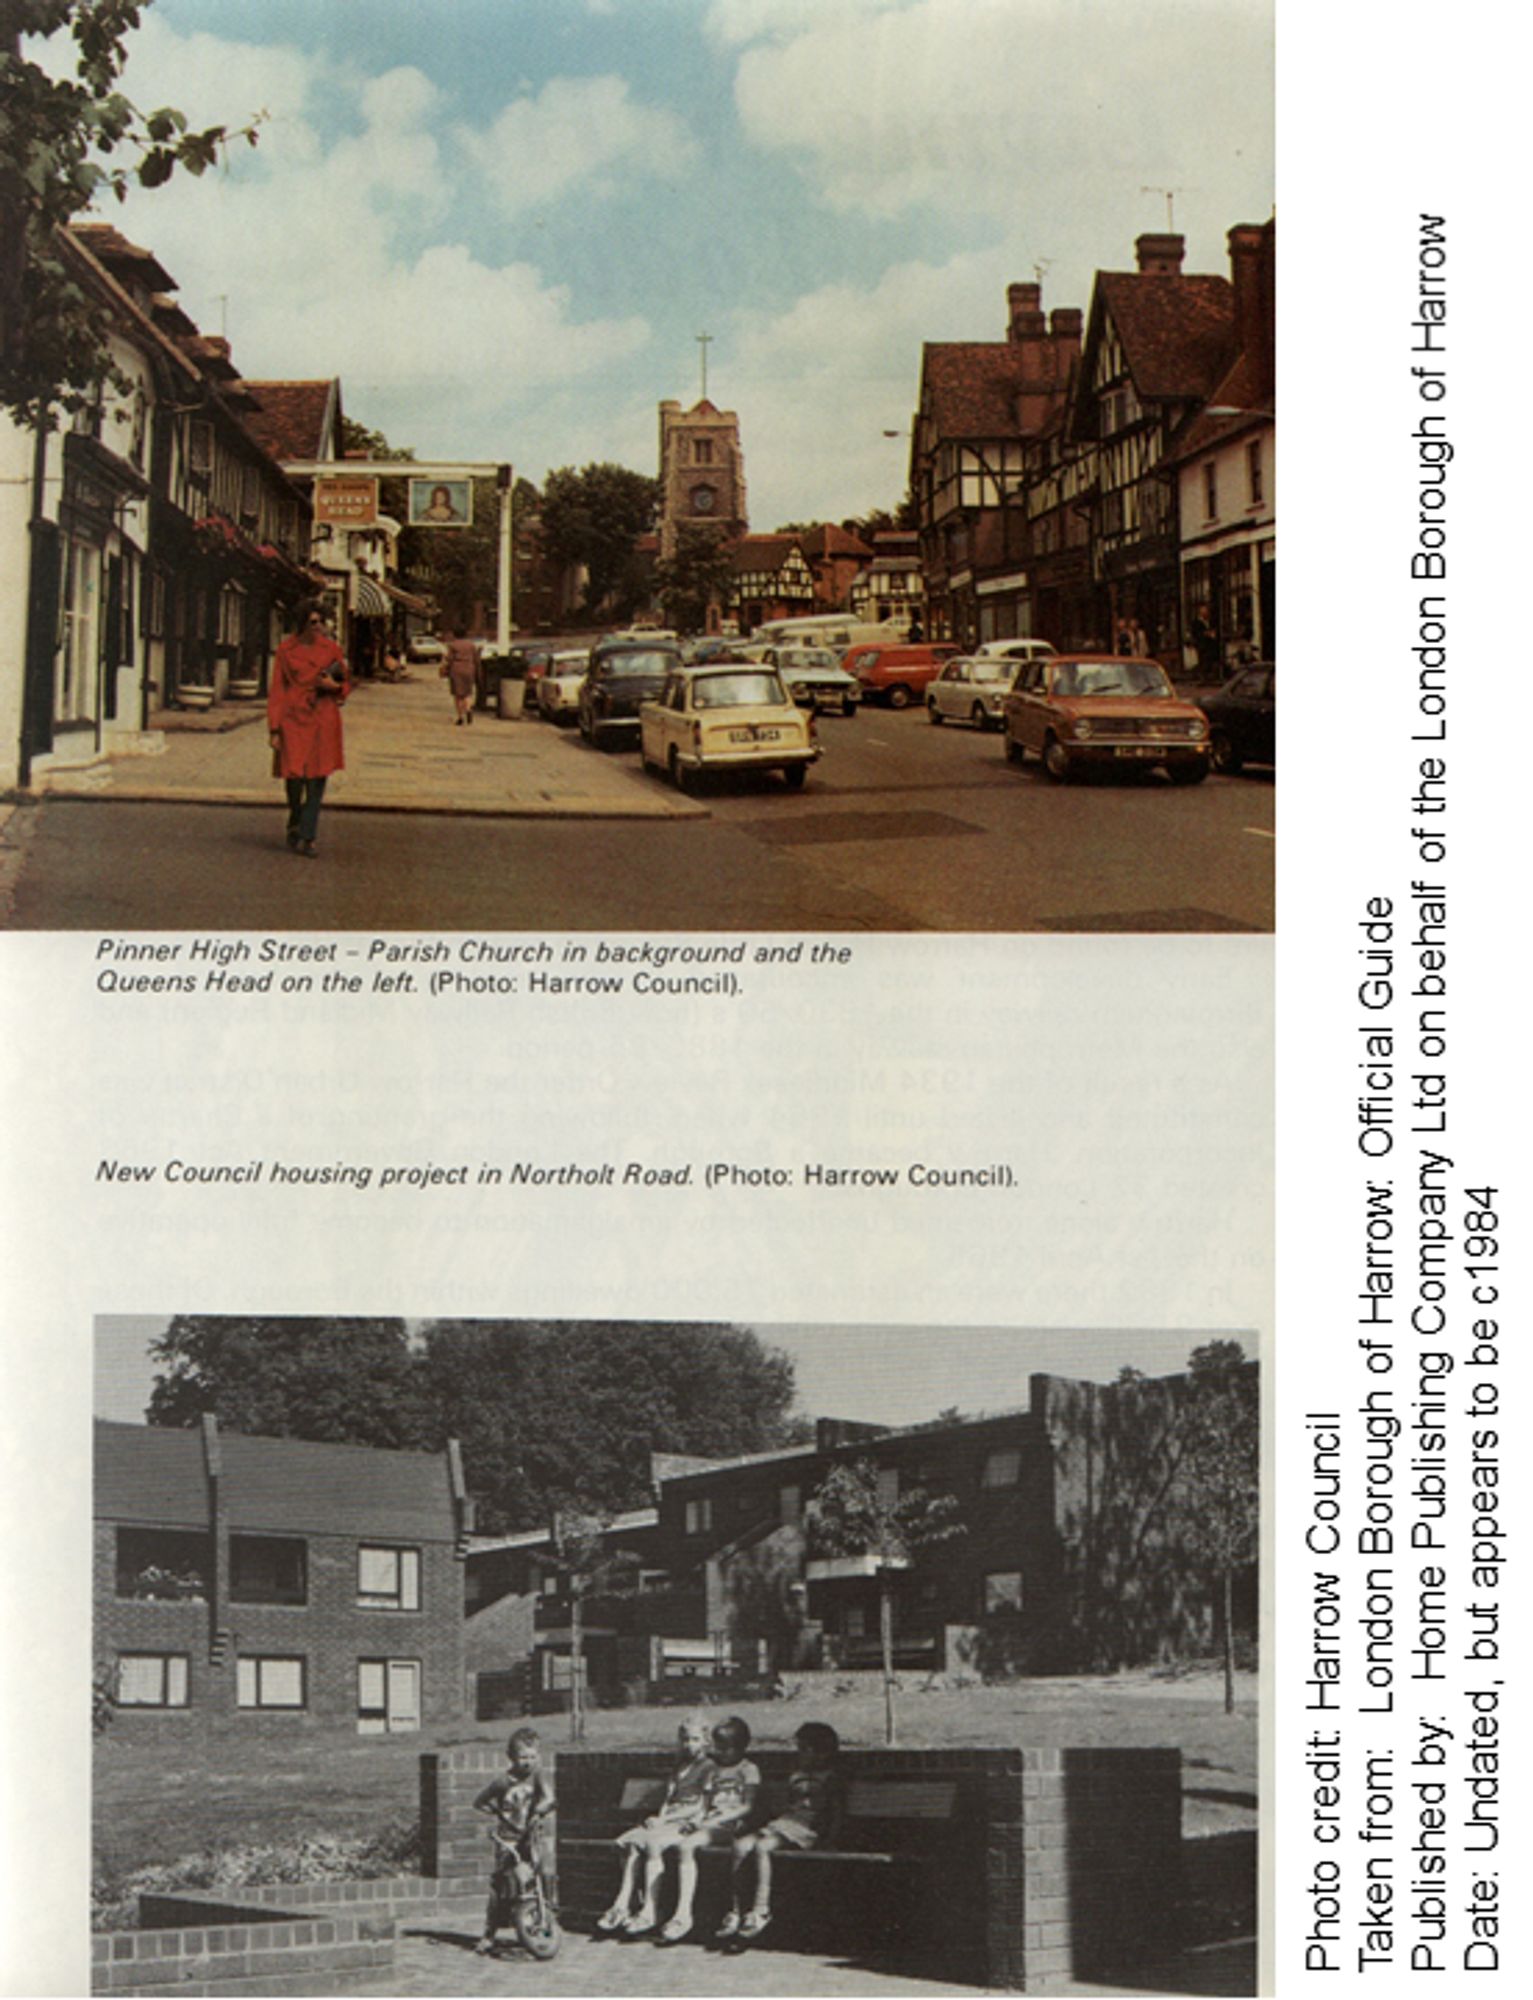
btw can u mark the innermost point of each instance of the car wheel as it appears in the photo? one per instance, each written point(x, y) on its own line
point(795, 774)
point(585, 728)
point(1188, 774)
point(681, 778)
point(1223, 755)
point(933, 712)
point(1016, 753)
point(899, 696)
point(1056, 760)
point(849, 710)
point(978, 717)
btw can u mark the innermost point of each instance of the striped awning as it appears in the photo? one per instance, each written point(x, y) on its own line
point(368, 598)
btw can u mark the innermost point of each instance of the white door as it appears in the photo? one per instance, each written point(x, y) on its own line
point(388, 1697)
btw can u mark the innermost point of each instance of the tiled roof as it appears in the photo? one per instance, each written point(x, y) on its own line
point(147, 1475)
point(112, 248)
point(763, 552)
point(829, 540)
point(970, 387)
point(290, 422)
point(1178, 333)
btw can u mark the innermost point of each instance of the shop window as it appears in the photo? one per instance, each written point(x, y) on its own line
point(270, 1680)
point(152, 1680)
point(388, 1579)
point(268, 1569)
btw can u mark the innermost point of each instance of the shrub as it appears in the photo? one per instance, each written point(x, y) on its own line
point(394, 1848)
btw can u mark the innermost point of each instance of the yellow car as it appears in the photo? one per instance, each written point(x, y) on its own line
point(728, 716)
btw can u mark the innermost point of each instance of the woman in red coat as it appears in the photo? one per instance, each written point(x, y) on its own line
point(303, 713)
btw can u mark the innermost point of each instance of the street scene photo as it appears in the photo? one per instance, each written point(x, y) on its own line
point(702, 466)
point(471, 1656)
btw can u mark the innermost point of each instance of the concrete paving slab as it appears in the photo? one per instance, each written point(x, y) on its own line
point(404, 753)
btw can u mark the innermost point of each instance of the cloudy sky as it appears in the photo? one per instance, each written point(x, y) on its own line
point(502, 223)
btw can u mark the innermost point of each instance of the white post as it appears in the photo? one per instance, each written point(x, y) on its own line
point(503, 571)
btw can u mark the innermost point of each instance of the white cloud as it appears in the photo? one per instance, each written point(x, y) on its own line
point(820, 384)
point(732, 23)
point(578, 132)
point(316, 251)
point(975, 107)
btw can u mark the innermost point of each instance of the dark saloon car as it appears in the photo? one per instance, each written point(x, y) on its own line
point(622, 674)
point(1242, 719)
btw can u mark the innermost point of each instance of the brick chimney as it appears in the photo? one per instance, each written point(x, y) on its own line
point(1024, 317)
point(1160, 256)
point(1252, 272)
point(1065, 332)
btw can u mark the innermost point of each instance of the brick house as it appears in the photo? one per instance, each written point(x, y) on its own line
point(1065, 1555)
point(272, 1584)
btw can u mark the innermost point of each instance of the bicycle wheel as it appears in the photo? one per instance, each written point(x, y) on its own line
point(536, 1925)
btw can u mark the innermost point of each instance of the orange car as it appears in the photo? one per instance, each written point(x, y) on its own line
point(1079, 709)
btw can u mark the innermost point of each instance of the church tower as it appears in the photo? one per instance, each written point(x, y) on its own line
point(702, 472)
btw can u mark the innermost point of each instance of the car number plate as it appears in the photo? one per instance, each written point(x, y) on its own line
point(1136, 750)
point(754, 735)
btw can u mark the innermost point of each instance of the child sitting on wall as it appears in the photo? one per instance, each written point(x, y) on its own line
point(810, 1819)
point(684, 1804)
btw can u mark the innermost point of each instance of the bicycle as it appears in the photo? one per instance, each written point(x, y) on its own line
point(520, 1893)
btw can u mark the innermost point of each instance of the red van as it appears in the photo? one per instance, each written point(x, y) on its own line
point(896, 674)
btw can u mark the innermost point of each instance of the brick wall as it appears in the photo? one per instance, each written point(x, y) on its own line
point(1057, 1864)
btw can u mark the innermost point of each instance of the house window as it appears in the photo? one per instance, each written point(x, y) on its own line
point(1003, 1591)
point(854, 1624)
point(699, 1516)
point(270, 1680)
point(268, 1569)
point(389, 1579)
point(152, 1680)
point(163, 1563)
point(1210, 491)
point(550, 1583)
point(1002, 1468)
point(790, 1506)
point(1254, 471)
point(888, 1485)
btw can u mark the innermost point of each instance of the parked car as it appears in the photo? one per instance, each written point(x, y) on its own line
point(1014, 649)
point(726, 717)
point(1242, 719)
point(1075, 710)
point(425, 649)
point(514, 664)
point(973, 689)
point(896, 674)
point(559, 687)
point(622, 675)
point(816, 679)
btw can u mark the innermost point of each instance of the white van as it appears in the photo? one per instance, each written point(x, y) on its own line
point(837, 632)
point(1015, 649)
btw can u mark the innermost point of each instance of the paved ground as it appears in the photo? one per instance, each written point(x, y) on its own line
point(403, 753)
point(441, 1961)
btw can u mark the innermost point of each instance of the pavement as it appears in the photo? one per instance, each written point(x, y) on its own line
point(404, 753)
point(440, 1960)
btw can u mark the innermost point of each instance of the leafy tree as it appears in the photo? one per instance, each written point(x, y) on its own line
point(566, 1413)
point(1222, 1476)
point(697, 575)
point(348, 1381)
point(358, 441)
point(594, 517)
point(65, 141)
point(847, 1515)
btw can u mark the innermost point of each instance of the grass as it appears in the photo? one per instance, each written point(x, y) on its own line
point(153, 1805)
